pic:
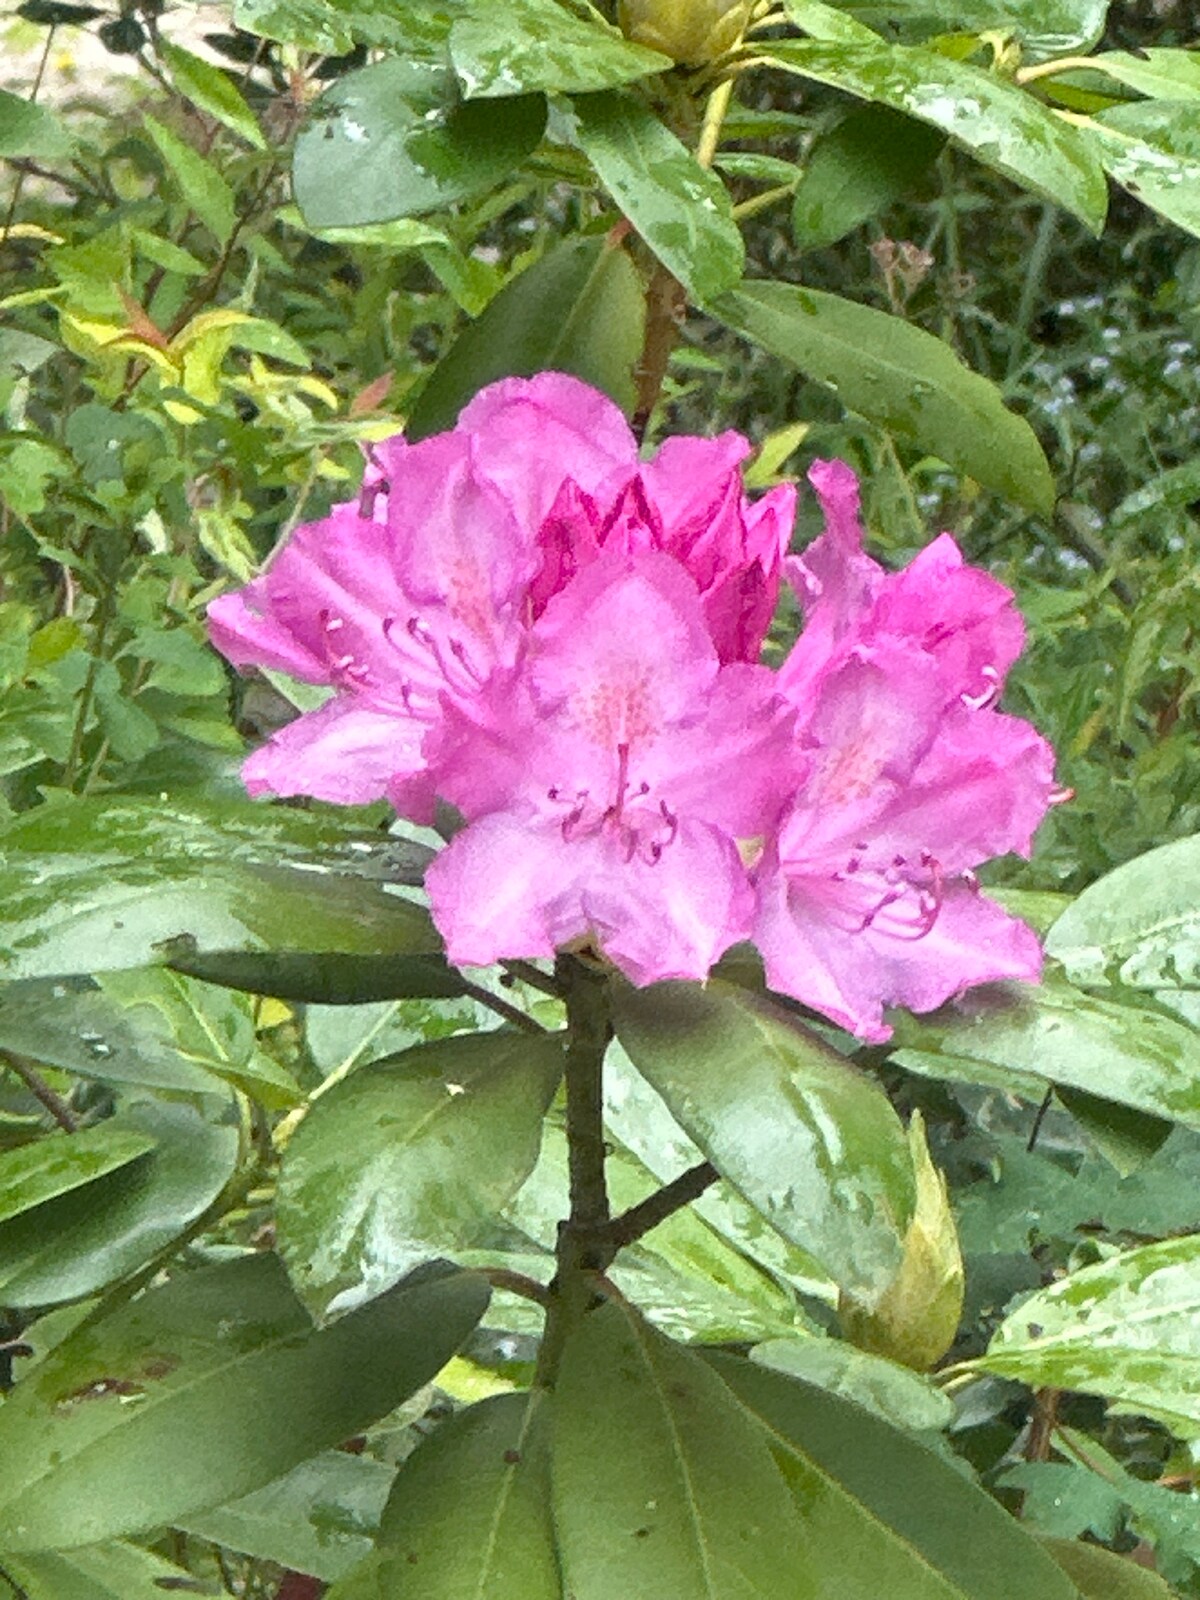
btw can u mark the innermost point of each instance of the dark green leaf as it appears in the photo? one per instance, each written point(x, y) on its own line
point(233, 1387)
point(410, 1158)
point(320, 1518)
point(1153, 150)
point(1139, 923)
point(871, 159)
point(1057, 1034)
point(902, 1521)
point(1101, 1575)
point(1044, 27)
point(526, 45)
point(113, 1571)
point(470, 1511)
point(998, 123)
point(394, 141)
point(47, 1168)
point(897, 1394)
point(84, 1240)
point(663, 1486)
point(1127, 1328)
point(27, 129)
point(329, 979)
point(898, 376)
point(1124, 1137)
point(682, 211)
point(90, 885)
point(579, 309)
point(812, 1144)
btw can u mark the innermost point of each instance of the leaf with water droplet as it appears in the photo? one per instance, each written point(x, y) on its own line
point(1153, 150)
point(527, 45)
point(53, 1166)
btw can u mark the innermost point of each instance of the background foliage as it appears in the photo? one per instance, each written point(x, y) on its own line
point(222, 272)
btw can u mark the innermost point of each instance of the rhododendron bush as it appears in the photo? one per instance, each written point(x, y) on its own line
point(598, 801)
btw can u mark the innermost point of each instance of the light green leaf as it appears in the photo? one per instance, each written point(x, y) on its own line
point(682, 211)
point(580, 309)
point(102, 884)
point(41, 1171)
point(113, 1571)
point(28, 129)
point(1161, 74)
point(1127, 1328)
point(88, 1238)
point(822, 21)
point(999, 124)
point(898, 376)
point(332, 26)
point(203, 188)
point(812, 1144)
point(1100, 1574)
point(409, 1158)
point(226, 1360)
point(1153, 150)
point(1139, 924)
point(393, 140)
point(1054, 1033)
point(470, 1511)
point(1043, 27)
point(527, 45)
point(209, 1027)
point(663, 1486)
point(895, 1393)
point(213, 91)
point(321, 1518)
point(871, 159)
point(902, 1521)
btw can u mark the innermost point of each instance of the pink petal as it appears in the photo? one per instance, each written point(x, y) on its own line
point(687, 479)
point(343, 752)
point(568, 540)
point(531, 434)
point(242, 628)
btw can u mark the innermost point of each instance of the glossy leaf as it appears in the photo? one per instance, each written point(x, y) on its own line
point(903, 1521)
point(814, 1146)
point(891, 1391)
point(1139, 924)
point(393, 140)
point(898, 376)
point(208, 1027)
point(226, 1361)
point(1101, 1574)
point(872, 158)
point(998, 123)
point(682, 211)
point(333, 26)
point(409, 1158)
point(663, 1486)
point(321, 1518)
point(1127, 1328)
point(47, 1168)
point(1161, 74)
point(1054, 1033)
point(527, 45)
point(115, 1571)
point(102, 884)
point(202, 186)
point(580, 309)
point(90, 1237)
point(470, 1511)
point(1044, 27)
point(73, 1023)
point(1153, 150)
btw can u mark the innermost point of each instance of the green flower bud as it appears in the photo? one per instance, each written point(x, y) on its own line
point(916, 1318)
point(691, 31)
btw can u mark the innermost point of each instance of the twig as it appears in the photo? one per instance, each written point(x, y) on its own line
point(502, 1008)
point(41, 1090)
point(631, 1225)
point(518, 1283)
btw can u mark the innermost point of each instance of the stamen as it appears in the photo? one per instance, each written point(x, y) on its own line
point(1060, 796)
point(988, 695)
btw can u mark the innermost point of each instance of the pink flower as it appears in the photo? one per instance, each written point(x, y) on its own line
point(867, 895)
point(411, 600)
point(611, 792)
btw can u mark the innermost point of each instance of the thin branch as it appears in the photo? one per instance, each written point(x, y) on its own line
point(1040, 1117)
point(631, 1225)
point(41, 1090)
point(518, 1283)
point(526, 972)
point(502, 1008)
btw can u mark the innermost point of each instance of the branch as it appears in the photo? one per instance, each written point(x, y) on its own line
point(41, 1090)
point(631, 1225)
point(502, 1008)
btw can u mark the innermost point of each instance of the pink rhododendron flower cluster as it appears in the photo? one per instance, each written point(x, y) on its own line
point(522, 619)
